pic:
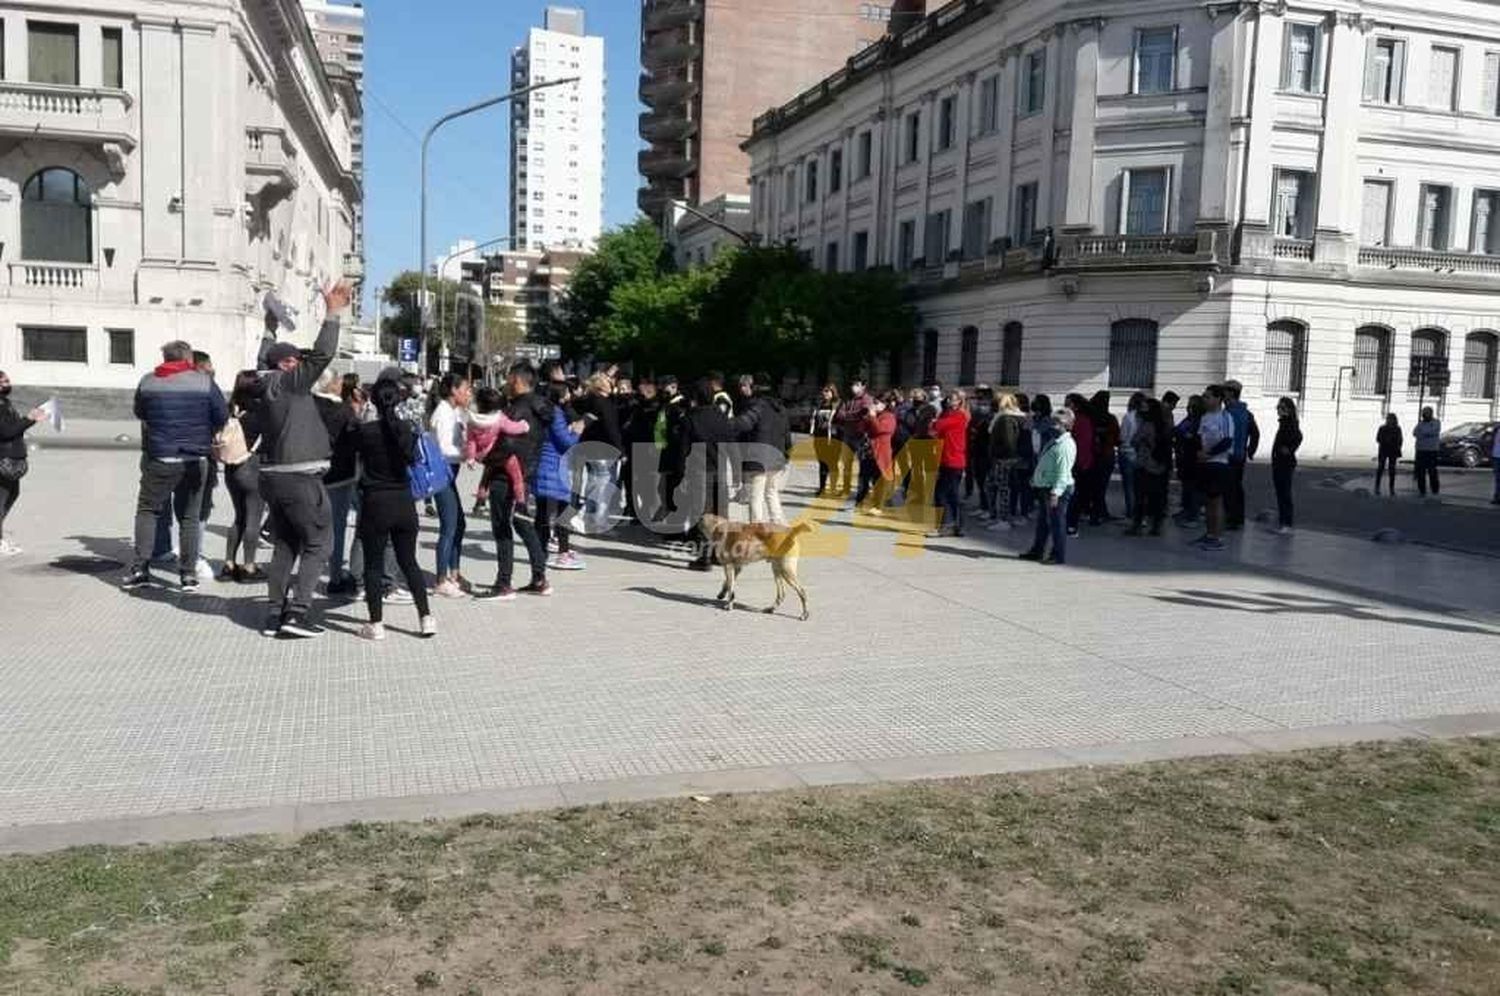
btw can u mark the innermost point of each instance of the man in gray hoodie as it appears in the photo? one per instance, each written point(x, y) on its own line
point(295, 453)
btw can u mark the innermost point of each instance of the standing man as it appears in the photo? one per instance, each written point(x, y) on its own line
point(850, 421)
point(529, 407)
point(295, 454)
point(180, 409)
point(764, 425)
point(1055, 487)
point(1428, 432)
point(1246, 442)
point(666, 432)
point(1215, 444)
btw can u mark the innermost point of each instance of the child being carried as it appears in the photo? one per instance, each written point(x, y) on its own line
point(489, 427)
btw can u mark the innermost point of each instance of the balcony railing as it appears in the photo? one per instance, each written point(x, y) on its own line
point(66, 113)
point(1424, 259)
point(1134, 250)
point(54, 278)
point(654, 163)
point(669, 53)
point(667, 125)
point(664, 14)
point(1293, 249)
point(663, 88)
point(270, 159)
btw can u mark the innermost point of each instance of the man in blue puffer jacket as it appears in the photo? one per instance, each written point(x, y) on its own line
point(180, 409)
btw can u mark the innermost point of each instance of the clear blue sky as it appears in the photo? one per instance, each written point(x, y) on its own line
point(425, 59)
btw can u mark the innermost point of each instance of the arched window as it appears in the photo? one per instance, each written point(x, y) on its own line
point(56, 217)
point(968, 357)
point(1132, 353)
point(1372, 361)
point(1433, 344)
point(929, 356)
point(1010, 354)
point(1285, 347)
point(1479, 365)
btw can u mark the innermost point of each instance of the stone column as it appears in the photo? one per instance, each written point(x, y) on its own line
point(1216, 192)
point(1078, 202)
point(925, 130)
point(963, 126)
point(1263, 115)
point(1044, 194)
point(206, 147)
point(1010, 62)
point(1340, 180)
point(846, 144)
point(160, 148)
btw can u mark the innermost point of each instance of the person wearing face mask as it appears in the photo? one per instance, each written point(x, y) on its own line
point(849, 419)
point(1053, 483)
point(13, 465)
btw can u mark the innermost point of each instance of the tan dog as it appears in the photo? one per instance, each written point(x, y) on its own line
point(736, 544)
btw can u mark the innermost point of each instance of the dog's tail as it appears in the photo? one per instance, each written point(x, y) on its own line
point(805, 526)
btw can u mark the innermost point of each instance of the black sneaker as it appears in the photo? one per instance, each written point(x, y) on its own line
point(341, 588)
point(296, 626)
point(272, 625)
point(1031, 555)
point(499, 593)
point(137, 577)
point(188, 584)
point(542, 587)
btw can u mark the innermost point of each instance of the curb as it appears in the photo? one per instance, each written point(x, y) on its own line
point(299, 818)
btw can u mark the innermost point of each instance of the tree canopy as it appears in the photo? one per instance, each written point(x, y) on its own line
point(757, 309)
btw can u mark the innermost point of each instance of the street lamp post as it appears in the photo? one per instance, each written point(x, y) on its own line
point(464, 252)
point(426, 139)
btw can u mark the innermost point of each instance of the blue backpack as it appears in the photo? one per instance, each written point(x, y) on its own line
point(429, 472)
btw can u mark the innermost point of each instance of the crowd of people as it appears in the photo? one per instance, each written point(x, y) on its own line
point(303, 454)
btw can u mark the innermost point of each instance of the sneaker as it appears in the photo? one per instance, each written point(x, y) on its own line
point(397, 596)
point(1050, 561)
point(499, 593)
point(569, 561)
point(228, 574)
point(296, 626)
point(137, 577)
point(341, 587)
point(272, 625)
point(999, 526)
point(9, 549)
point(1072, 530)
point(1031, 555)
point(1211, 544)
point(372, 631)
point(429, 627)
point(448, 588)
point(543, 588)
point(188, 584)
point(204, 569)
point(1285, 531)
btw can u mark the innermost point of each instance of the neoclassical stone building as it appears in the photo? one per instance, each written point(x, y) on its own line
point(163, 166)
point(1157, 194)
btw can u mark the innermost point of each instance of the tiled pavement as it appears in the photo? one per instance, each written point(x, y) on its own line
point(123, 716)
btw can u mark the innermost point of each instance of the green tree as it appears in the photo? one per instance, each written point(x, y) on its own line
point(624, 255)
point(401, 294)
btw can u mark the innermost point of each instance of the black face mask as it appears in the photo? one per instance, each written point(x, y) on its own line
point(5, 391)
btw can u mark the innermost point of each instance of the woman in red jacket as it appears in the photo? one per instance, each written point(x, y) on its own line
point(880, 429)
point(951, 429)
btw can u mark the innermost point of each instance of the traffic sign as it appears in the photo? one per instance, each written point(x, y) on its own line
point(408, 351)
point(1429, 371)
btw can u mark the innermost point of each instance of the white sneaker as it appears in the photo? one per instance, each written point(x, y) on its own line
point(448, 588)
point(1285, 531)
point(397, 596)
point(204, 570)
point(569, 561)
point(429, 627)
point(372, 631)
point(9, 549)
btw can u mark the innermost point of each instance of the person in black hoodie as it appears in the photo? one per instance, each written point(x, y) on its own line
point(668, 433)
point(529, 407)
point(1284, 460)
point(704, 431)
point(766, 430)
point(13, 429)
point(336, 406)
point(640, 431)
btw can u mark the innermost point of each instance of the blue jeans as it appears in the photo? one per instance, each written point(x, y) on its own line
point(947, 496)
point(1053, 522)
point(451, 526)
point(340, 499)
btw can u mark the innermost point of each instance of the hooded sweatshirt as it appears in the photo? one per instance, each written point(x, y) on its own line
point(296, 439)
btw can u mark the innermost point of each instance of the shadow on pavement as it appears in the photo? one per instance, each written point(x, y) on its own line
point(1278, 603)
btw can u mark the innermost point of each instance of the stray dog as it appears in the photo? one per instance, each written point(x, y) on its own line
point(736, 544)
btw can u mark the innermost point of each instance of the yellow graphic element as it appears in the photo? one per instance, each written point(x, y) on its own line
point(909, 524)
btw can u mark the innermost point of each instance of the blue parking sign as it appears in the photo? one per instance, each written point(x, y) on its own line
point(408, 350)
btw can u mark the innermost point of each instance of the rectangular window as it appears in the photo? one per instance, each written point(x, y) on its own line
point(987, 116)
point(935, 241)
point(929, 356)
point(811, 177)
point(1034, 82)
point(1485, 237)
point(54, 345)
point(947, 113)
point(861, 259)
point(1132, 353)
point(1479, 365)
point(1435, 222)
point(122, 346)
point(968, 355)
point(831, 258)
point(1155, 60)
point(1301, 63)
point(1371, 362)
point(1375, 220)
point(977, 228)
point(906, 244)
point(53, 52)
point(1144, 202)
point(789, 201)
point(865, 148)
point(1010, 354)
point(1491, 83)
point(913, 136)
point(1385, 67)
point(1442, 78)
point(835, 171)
point(1296, 198)
point(1025, 213)
point(114, 58)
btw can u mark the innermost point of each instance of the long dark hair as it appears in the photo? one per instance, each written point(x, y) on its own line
point(247, 390)
point(386, 396)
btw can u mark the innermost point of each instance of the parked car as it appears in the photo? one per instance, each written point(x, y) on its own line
point(1468, 445)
